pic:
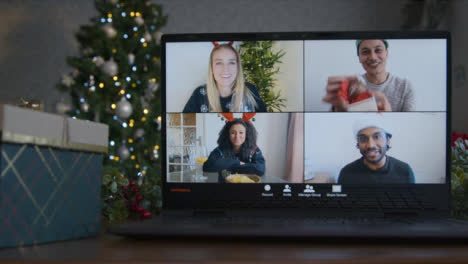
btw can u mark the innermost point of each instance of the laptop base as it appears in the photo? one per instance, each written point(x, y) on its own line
point(297, 228)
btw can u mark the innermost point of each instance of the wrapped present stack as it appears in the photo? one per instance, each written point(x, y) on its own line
point(51, 169)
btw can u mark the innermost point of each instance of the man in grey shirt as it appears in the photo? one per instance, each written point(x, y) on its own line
point(392, 93)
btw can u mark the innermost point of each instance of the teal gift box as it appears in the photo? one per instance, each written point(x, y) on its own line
point(51, 169)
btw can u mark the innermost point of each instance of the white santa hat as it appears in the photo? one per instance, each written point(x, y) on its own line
point(369, 122)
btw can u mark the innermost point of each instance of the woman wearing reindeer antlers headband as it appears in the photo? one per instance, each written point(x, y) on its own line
point(225, 89)
point(237, 149)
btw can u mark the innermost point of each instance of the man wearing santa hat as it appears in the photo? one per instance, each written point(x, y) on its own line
point(375, 166)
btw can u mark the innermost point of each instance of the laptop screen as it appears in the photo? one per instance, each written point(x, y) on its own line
point(304, 114)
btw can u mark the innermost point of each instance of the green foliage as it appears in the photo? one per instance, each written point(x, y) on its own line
point(459, 175)
point(114, 206)
point(118, 195)
point(259, 62)
point(126, 32)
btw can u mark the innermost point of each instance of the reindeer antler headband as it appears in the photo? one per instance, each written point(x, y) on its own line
point(245, 117)
point(216, 44)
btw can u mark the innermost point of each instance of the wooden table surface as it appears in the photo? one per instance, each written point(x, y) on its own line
point(108, 248)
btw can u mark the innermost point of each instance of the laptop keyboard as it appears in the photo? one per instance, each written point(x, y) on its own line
point(355, 202)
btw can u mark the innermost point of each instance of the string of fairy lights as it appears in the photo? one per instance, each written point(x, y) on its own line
point(126, 87)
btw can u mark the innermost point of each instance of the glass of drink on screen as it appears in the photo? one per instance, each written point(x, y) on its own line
point(200, 158)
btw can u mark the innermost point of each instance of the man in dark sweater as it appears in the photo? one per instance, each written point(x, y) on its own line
point(375, 166)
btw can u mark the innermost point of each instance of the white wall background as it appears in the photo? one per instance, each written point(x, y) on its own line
point(418, 139)
point(422, 62)
point(290, 79)
point(187, 68)
point(272, 134)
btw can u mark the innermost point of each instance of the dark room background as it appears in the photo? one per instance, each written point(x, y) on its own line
point(36, 36)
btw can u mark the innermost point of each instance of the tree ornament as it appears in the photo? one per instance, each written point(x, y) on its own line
point(84, 107)
point(146, 214)
point(147, 36)
point(157, 36)
point(91, 80)
point(153, 86)
point(109, 30)
point(75, 73)
point(158, 122)
point(139, 133)
point(88, 51)
point(99, 61)
point(131, 58)
point(124, 108)
point(139, 20)
point(155, 155)
point(155, 12)
point(67, 80)
point(61, 107)
point(123, 152)
point(151, 89)
point(139, 209)
point(148, 94)
point(144, 103)
point(110, 67)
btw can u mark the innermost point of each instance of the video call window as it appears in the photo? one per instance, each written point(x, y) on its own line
point(417, 71)
point(194, 154)
point(188, 65)
point(395, 90)
point(332, 143)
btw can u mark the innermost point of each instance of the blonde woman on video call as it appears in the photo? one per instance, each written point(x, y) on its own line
point(225, 90)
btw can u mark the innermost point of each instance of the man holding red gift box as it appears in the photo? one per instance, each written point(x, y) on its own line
point(391, 93)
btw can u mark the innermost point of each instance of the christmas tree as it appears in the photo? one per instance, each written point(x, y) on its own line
point(259, 62)
point(115, 81)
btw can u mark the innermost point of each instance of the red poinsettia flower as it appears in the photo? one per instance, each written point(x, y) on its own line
point(456, 135)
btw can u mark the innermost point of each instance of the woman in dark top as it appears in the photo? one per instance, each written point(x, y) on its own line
point(225, 90)
point(237, 149)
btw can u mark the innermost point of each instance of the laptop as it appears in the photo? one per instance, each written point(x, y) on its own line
point(285, 161)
